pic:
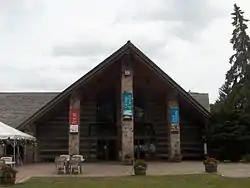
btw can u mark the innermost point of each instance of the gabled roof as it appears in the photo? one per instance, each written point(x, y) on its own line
point(15, 107)
point(127, 48)
point(202, 98)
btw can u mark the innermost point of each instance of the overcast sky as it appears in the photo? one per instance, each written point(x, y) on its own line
point(46, 45)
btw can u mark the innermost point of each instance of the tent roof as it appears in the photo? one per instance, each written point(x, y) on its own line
point(7, 132)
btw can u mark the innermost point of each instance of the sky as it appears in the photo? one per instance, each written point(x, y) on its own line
point(47, 45)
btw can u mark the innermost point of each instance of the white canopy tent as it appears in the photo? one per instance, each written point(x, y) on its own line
point(8, 133)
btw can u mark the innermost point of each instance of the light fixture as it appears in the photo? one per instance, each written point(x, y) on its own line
point(127, 73)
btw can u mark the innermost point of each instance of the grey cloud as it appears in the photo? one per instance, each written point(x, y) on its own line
point(28, 80)
point(68, 64)
point(44, 84)
point(191, 16)
point(194, 16)
point(94, 51)
point(10, 5)
point(50, 74)
point(19, 7)
point(84, 49)
point(153, 49)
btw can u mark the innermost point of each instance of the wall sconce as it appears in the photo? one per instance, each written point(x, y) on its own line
point(127, 73)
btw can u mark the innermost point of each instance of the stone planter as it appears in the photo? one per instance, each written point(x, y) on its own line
point(211, 168)
point(7, 175)
point(7, 179)
point(140, 171)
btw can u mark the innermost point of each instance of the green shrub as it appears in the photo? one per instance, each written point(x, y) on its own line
point(140, 167)
point(140, 164)
point(210, 161)
point(7, 175)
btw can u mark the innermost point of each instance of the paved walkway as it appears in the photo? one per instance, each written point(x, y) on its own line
point(116, 169)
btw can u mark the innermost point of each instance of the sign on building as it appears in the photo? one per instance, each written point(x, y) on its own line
point(74, 120)
point(127, 105)
point(174, 116)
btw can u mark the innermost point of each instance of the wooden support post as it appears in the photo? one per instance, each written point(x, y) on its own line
point(174, 128)
point(25, 159)
point(205, 136)
point(74, 123)
point(127, 120)
point(1, 149)
point(31, 152)
point(118, 123)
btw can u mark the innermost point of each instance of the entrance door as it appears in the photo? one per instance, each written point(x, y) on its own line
point(140, 149)
point(144, 135)
point(106, 149)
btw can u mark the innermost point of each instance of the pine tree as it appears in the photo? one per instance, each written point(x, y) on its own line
point(231, 112)
point(240, 41)
point(233, 93)
point(224, 91)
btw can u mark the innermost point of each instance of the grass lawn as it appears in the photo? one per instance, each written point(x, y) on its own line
point(180, 181)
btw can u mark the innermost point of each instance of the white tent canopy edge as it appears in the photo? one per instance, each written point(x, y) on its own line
point(8, 132)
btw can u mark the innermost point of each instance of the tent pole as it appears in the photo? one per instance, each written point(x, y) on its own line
point(18, 155)
point(5, 149)
point(14, 151)
point(25, 153)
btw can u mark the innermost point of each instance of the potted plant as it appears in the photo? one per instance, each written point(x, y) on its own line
point(7, 175)
point(210, 165)
point(128, 160)
point(140, 167)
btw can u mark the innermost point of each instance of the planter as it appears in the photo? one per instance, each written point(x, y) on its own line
point(7, 179)
point(211, 168)
point(7, 176)
point(139, 171)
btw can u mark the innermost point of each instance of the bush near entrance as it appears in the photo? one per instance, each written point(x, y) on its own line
point(210, 165)
point(7, 175)
point(140, 167)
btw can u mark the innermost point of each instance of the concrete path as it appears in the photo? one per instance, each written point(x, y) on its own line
point(116, 169)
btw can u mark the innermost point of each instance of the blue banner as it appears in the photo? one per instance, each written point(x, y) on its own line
point(174, 116)
point(127, 105)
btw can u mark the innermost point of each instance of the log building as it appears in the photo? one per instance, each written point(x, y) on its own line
point(122, 107)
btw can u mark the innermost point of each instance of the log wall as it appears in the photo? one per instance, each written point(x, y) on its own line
point(52, 134)
point(88, 145)
point(191, 137)
point(190, 134)
point(156, 113)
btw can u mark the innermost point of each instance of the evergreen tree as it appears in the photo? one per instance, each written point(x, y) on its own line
point(230, 120)
point(232, 94)
point(236, 76)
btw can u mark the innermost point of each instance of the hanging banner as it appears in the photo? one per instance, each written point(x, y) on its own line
point(127, 105)
point(174, 116)
point(74, 120)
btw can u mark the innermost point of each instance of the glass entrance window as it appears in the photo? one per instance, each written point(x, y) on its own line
point(105, 112)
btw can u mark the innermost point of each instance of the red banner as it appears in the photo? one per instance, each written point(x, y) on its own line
point(74, 120)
